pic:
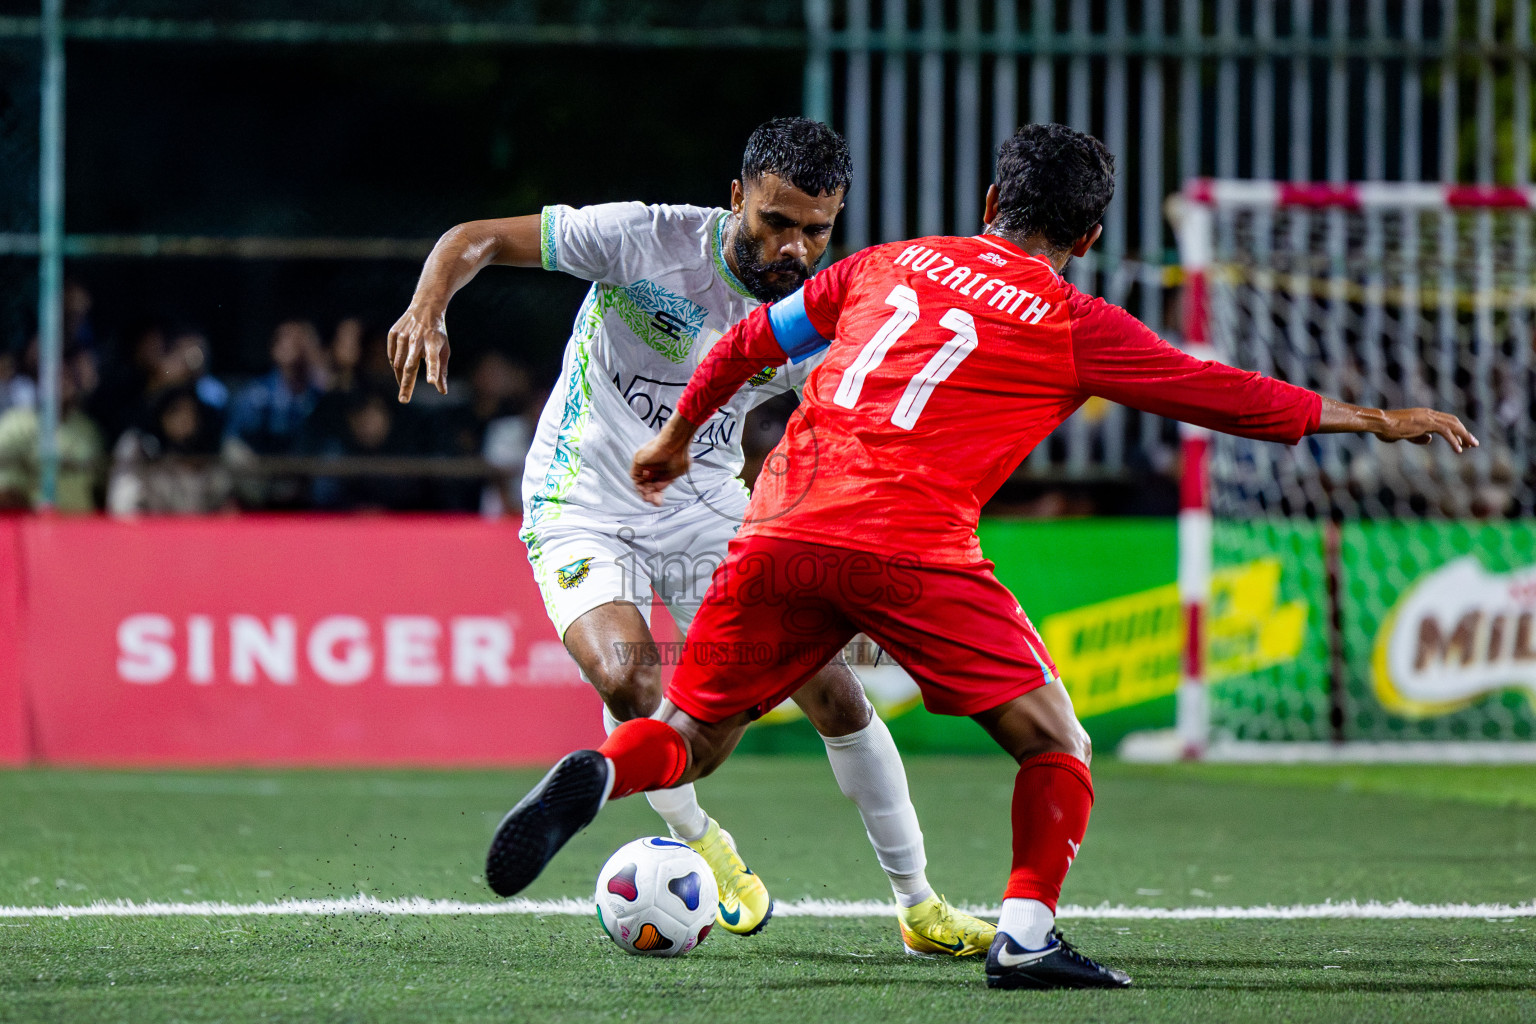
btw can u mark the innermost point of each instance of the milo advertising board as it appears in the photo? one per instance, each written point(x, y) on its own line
point(1440, 630)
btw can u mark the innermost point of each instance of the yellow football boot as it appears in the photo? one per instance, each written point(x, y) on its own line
point(744, 906)
point(934, 928)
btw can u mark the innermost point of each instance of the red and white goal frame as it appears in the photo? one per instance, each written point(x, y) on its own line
point(1331, 223)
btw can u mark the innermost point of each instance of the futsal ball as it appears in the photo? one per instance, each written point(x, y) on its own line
point(656, 897)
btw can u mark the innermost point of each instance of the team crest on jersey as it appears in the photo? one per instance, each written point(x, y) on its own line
point(993, 258)
point(763, 376)
point(571, 575)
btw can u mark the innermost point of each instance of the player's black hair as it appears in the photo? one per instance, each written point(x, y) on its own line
point(1053, 181)
point(805, 153)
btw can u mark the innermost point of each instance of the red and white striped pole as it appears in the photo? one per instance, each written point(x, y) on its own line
point(1192, 720)
point(1195, 225)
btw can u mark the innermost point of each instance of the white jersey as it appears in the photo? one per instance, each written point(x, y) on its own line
point(662, 295)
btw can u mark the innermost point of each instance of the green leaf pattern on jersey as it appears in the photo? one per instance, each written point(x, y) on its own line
point(548, 256)
point(637, 306)
point(565, 463)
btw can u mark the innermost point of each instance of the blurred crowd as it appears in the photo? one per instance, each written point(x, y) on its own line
point(145, 427)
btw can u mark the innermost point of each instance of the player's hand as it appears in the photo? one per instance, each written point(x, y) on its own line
point(1420, 426)
point(419, 336)
point(656, 464)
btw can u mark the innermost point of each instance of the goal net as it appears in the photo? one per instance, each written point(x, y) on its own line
point(1347, 591)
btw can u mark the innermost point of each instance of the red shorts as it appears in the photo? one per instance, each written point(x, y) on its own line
point(778, 610)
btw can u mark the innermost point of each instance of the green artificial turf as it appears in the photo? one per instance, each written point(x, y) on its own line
point(1175, 836)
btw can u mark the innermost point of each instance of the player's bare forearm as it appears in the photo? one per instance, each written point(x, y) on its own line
point(1417, 425)
point(421, 335)
point(466, 249)
point(662, 459)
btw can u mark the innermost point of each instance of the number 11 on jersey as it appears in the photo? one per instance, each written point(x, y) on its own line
point(938, 368)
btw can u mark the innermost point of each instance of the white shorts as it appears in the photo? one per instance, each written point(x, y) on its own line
point(582, 561)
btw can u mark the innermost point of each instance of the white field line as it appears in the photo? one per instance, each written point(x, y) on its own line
point(416, 906)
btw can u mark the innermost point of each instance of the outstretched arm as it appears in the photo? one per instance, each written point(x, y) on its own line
point(421, 334)
point(1120, 358)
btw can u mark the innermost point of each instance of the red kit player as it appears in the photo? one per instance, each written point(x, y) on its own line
point(947, 361)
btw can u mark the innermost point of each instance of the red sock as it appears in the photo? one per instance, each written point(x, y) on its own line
point(646, 755)
point(1051, 799)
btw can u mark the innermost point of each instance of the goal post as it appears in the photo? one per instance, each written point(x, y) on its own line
point(1346, 597)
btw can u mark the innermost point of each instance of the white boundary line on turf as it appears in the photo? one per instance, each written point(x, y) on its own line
point(1164, 746)
point(416, 906)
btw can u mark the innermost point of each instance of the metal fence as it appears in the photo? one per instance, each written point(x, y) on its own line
point(924, 90)
point(1333, 90)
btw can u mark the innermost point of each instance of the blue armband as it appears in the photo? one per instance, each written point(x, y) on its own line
point(793, 330)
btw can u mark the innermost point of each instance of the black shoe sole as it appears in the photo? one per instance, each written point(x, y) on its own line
point(563, 803)
point(1020, 980)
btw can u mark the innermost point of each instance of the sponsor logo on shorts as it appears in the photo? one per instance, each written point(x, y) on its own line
point(571, 575)
point(763, 376)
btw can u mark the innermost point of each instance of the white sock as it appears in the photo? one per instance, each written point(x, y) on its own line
point(1028, 921)
point(678, 806)
point(870, 773)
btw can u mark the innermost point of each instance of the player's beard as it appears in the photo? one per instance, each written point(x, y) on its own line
point(753, 271)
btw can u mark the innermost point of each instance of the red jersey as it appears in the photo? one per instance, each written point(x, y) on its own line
point(948, 360)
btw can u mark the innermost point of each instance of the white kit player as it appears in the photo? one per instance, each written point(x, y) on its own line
point(667, 282)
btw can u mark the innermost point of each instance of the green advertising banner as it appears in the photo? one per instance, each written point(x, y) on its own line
point(1268, 655)
point(1439, 630)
